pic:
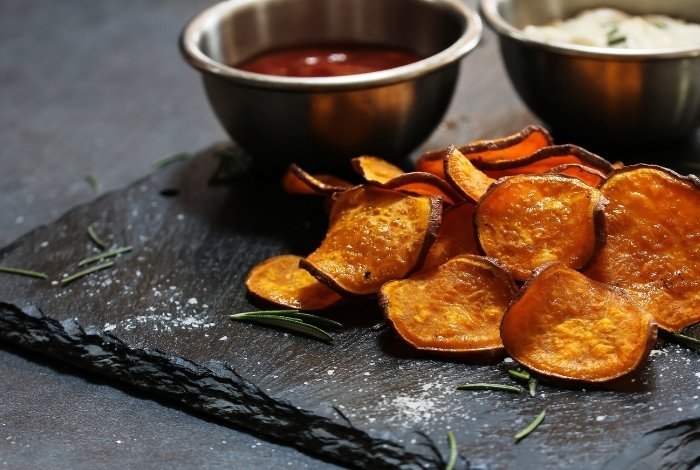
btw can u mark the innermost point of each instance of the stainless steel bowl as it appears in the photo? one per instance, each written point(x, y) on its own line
point(603, 94)
point(321, 122)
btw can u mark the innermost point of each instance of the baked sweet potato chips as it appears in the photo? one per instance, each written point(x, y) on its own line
point(567, 326)
point(416, 239)
point(453, 309)
point(375, 235)
point(525, 221)
point(653, 246)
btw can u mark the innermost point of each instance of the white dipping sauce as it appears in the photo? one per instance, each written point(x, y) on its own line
point(606, 27)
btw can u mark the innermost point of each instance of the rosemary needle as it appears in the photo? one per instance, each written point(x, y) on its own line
point(687, 341)
point(452, 460)
point(105, 254)
point(532, 386)
point(92, 181)
point(287, 323)
point(23, 272)
point(85, 272)
point(519, 374)
point(495, 387)
point(531, 427)
point(95, 239)
point(168, 159)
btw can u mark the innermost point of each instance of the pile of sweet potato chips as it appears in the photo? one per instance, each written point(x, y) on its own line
point(548, 253)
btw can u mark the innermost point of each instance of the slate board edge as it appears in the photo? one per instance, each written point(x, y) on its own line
point(216, 390)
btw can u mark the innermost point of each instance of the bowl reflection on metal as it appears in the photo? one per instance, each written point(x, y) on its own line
point(611, 94)
point(321, 122)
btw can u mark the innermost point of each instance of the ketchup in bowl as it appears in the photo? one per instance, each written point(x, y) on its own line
point(328, 60)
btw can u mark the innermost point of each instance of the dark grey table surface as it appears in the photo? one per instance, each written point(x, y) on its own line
point(99, 87)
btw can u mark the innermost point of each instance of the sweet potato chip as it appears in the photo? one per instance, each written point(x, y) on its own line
point(423, 184)
point(454, 309)
point(544, 160)
point(522, 144)
point(375, 235)
point(470, 182)
point(456, 236)
point(590, 176)
point(567, 326)
point(432, 162)
point(298, 181)
point(653, 246)
point(374, 169)
point(281, 281)
point(528, 220)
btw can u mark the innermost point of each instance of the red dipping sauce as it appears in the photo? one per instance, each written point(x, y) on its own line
point(328, 60)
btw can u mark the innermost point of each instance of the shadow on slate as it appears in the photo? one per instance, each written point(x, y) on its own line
point(158, 321)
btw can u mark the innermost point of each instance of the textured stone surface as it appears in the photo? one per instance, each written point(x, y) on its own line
point(157, 321)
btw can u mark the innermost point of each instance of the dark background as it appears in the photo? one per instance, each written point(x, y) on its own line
point(99, 87)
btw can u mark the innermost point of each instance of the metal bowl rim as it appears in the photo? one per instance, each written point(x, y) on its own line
point(489, 9)
point(191, 33)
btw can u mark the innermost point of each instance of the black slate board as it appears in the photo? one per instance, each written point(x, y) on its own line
point(157, 320)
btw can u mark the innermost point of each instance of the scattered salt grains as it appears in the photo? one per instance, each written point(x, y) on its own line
point(109, 327)
point(44, 244)
point(600, 418)
point(180, 217)
point(223, 338)
point(697, 374)
point(192, 301)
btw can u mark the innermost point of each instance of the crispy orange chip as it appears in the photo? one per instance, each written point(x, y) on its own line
point(298, 181)
point(432, 162)
point(588, 175)
point(456, 236)
point(375, 235)
point(281, 281)
point(653, 246)
point(528, 220)
point(455, 308)
point(567, 326)
point(374, 169)
point(469, 181)
point(544, 160)
point(423, 184)
point(521, 144)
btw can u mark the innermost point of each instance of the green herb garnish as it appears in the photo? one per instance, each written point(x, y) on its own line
point(613, 41)
point(293, 320)
point(519, 374)
point(168, 159)
point(68, 279)
point(452, 459)
point(532, 386)
point(531, 427)
point(95, 239)
point(94, 184)
point(687, 341)
point(23, 272)
point(495, 387)
point(105, 254)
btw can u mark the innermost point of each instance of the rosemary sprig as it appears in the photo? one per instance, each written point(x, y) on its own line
point(684, 340)
point(530, 427)
point(93, 182)
point(495, 387)
point(95, 239)
point(519, 374)
point(23, 272)
point(104, 254)
point(296, 314)
point(168, 159)
point(532, 386)
point(293, 320)
point(452, 460)
point(68, 279)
